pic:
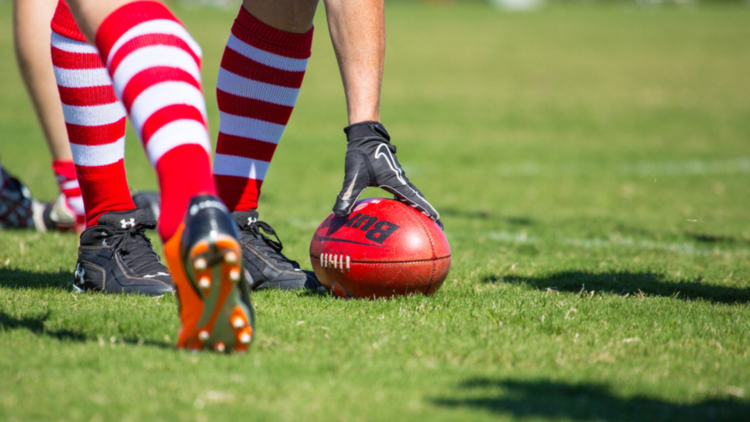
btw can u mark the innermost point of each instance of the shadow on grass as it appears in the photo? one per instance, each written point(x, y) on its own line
point(317, 293)
point(587, 402)
point(484, 215)
point(716, 239)
point(624, 283)
point(22, 279)
point(35, 324)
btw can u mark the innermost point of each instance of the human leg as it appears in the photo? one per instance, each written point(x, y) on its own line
point(259, 79)
point(94, 119)
point(31, 27)
point(114, 254)
point(155, 68)
point(31, 35)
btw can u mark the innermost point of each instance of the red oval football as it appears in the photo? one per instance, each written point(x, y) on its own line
point(383, 248)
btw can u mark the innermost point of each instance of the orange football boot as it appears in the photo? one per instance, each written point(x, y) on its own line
point(205, 259)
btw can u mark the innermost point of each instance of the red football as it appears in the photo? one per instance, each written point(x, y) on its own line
point(382, 249)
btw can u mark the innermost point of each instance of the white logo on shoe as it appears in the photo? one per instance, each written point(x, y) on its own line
point(390, 160)
point(80, 274)
point(126, 223)
point(251, 220)
point(207, 204)
point(155, 275)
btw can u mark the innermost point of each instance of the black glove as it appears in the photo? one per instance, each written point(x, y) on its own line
point(371, 161)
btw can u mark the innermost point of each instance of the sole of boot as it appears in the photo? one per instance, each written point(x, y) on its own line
point(226, 324)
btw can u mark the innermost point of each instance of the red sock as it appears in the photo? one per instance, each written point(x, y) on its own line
point(67, 181)
point(259, 79)
point(155, 67)
point(95, 120)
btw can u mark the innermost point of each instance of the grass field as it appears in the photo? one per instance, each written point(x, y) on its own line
point(592, 167)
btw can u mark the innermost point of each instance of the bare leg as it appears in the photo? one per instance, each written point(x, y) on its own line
point(32, 34)
point(358, 33)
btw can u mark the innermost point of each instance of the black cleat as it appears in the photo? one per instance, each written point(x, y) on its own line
point(116, 256)
point(265, 266)
point(17, 207)
point(215, 306)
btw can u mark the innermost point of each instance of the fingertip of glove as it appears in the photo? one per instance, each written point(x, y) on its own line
point(342, 208)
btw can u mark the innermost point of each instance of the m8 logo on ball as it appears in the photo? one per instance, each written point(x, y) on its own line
point(384, 248)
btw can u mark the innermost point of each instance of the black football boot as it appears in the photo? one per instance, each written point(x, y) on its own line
point(265, 266)
point(214, 297)
point(116, 256)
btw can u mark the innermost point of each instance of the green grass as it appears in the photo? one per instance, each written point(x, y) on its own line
point(592, 167)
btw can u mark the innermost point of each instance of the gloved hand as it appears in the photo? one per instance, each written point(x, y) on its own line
point(371, 161)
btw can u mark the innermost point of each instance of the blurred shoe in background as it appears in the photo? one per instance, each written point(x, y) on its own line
point(56, 215)
point(17, 207)
point(149, 202)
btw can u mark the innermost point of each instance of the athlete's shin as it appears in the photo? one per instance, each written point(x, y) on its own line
point(94, 118)
point(155, 66)
point(259, 79)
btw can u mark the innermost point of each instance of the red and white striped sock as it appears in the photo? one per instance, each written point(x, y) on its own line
point(67, 181)
point(155, 66)
point(95, 119)
point(259, 79)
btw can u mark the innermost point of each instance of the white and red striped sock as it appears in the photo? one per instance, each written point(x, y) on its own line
point(155, 66)
point(67, 181)
point(259, 79)
point(95, 119)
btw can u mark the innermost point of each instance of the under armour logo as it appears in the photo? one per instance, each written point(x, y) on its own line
point(155, 275)
point(126, 223)
point(251, 220)
point(80, 273)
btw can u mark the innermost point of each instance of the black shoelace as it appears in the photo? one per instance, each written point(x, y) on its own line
point(264, 244)
point(136, 249)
